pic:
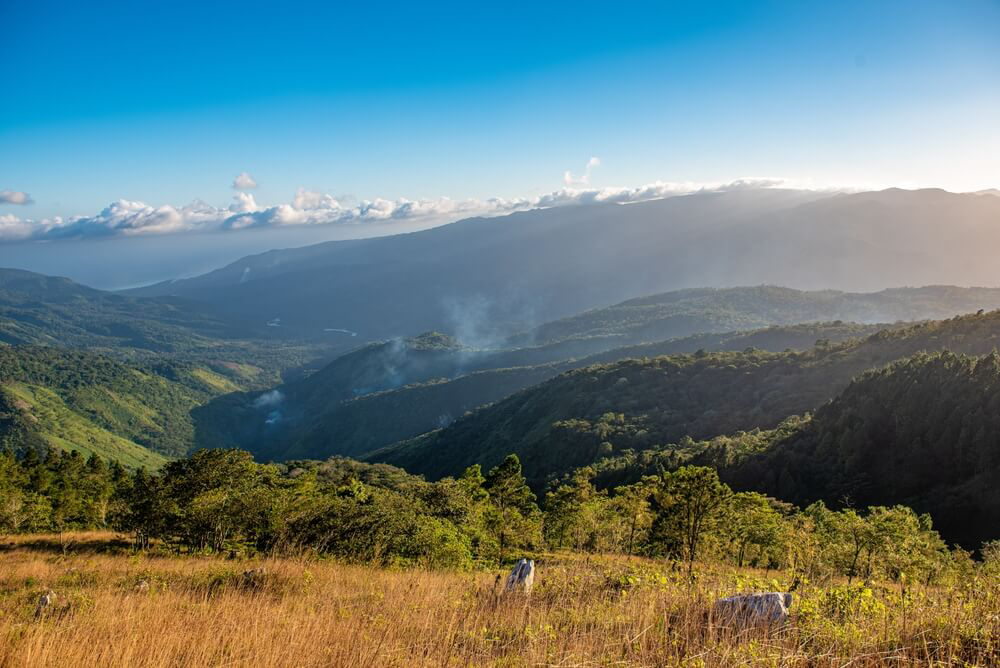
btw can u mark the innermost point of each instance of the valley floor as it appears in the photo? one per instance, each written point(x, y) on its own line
point(115, 608)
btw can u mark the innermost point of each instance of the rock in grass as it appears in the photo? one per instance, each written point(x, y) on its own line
point(763, 609)
point(44, 601)
point(522, 577)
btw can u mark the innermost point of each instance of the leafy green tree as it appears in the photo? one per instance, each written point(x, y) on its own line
point(753, 523)
point(465, 502)
point(688, 503)
point(632, 502)
point(216, 496)
point(140, 508)
point(567, 510)
point(513, 517)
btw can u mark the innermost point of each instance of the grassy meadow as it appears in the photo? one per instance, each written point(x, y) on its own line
point(584, 611)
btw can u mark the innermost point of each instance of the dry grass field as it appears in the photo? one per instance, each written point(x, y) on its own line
point(598, 611)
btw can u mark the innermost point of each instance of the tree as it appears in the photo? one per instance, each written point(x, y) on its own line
point(141, 509)
point(753, 522)
point(566, 509)
point(632, 503)
point(217, 495)
point(688, 504)
point(514, 517)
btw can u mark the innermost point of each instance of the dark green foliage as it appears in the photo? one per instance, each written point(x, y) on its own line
point(222, 501)
point(321, 416)
point(923, 432)
point(57, 492)
point(687, 504)
point(513, 516)
point(566, 422)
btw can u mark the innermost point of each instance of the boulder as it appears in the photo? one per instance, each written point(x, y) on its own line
point(763, 609)
point(44, 601)
point(522, 577)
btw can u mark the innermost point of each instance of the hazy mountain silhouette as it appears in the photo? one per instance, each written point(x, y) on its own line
point(483, 278)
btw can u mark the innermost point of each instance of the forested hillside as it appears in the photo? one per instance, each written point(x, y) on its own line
point(71, 400)
point(585, 414)
point(701, 310)
point(923, 432)
point(356, 405)
point(53, 311)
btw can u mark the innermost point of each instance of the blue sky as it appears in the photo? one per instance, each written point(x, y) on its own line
point(164, 103)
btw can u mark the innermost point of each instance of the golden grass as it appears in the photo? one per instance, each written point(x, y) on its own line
point(201, 611)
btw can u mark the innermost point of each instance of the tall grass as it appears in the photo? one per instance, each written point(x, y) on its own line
point(598, 611)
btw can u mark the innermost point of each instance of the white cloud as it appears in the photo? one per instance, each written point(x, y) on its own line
point(129, 218)
point(15, 197)
point(584, 179)
point(244, 181)
point(243, 203)
point(12, 227)
point(308, 199)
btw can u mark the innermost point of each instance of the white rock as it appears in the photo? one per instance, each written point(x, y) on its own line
point(753, 609)
point(522, 577)
point(44, 601)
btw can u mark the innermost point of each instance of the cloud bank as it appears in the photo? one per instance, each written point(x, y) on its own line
point(130, 218)
point(15, 197)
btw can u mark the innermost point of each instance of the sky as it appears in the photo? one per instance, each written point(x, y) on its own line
point(155, 119)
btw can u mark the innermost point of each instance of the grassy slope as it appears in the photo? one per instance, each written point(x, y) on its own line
point(60, 427)
point(76, 400)
point(591, 610)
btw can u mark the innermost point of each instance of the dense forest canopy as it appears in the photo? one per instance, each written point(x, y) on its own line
point(923, 432)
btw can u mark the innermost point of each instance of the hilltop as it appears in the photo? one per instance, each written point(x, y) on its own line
point(686, 312)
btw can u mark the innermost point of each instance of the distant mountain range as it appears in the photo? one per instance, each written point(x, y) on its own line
point(485, 279)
